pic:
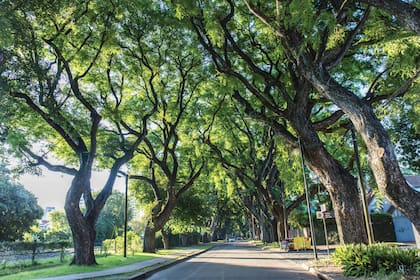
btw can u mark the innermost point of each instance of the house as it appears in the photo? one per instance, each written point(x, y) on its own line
point(404, 230)
point(44, 224)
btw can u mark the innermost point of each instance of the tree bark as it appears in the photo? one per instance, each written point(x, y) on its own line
point(149, 242)
point(82, 228)
point(382, 159)
point(165, 239)
point(408, 15)
point(340, 184)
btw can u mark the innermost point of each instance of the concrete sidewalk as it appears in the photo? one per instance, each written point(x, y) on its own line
point(321, 268)
point(130, 268)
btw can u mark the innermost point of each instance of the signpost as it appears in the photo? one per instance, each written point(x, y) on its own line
point(324, 214)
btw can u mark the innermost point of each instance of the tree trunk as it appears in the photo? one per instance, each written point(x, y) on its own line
point(149, 242)
point(82, 228)
point(184, 239)
point(83, 242)
point(341, 185)
point(213, 227)
point(382, 159)
point(274, 230)
point(165, 239)
point(384, 164)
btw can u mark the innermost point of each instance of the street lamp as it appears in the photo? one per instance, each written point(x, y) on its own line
point(308, 203)
point(368, 222)
point(125, 211)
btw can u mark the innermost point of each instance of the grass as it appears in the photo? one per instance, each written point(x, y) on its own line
point(53, 267)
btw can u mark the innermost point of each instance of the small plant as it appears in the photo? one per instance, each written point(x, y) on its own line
point(367, 260)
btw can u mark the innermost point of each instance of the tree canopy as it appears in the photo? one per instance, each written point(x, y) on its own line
point(234, 90)
point(19, 209)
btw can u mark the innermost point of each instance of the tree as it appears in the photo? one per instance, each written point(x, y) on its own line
point(328, 65)
point(265, 177)
point(111, 218)
point(19, 209)
point(270, 90)
point(59, 226)
point(76, 97)
point(169, 160)
point(404, 129)
point(320, 52)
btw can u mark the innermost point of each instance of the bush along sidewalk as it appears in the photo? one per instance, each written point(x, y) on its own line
point(32, 249)
point(367, 260)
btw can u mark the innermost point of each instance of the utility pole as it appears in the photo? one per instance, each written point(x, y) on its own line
point(308, 202)
point(125, 215)
point(368, 222)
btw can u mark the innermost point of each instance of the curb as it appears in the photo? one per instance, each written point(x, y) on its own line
point(318, 274)
point(159, 267)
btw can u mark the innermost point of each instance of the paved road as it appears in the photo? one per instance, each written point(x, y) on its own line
point(237, 260)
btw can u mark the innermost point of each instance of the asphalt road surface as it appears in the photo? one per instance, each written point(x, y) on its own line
point(236, 260)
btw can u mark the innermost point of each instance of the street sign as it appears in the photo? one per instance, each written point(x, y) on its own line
point(319, 215)
point(325, 215)
point(328, 214)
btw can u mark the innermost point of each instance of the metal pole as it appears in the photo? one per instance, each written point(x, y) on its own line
point(308, 203)
point(125, 215)
point(326, 233)
point(368, 222)
point(283, 198)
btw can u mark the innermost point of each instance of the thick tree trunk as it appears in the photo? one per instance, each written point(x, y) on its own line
point(382, 159)
point(265, 228)
point(384, 164)
point(184, 239)
point(82, 228)
point(274, 230)
point(149, 242)
point(213, 227)
point(165, 239)
point(83, 242)
point(341, 185)
point(344, 195)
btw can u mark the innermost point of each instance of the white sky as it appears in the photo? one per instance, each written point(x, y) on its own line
point(51, 187)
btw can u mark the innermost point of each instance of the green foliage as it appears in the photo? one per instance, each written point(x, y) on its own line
point(116, 245)
point(18, 209)
point(111, 219)
point(34, 248)
point(191, 212)
point(298, 217)
point(59, 226)
point(404, 129)
point(366, 260)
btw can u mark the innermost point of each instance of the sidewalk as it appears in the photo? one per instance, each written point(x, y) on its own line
point(321, 267)
point(167, 259)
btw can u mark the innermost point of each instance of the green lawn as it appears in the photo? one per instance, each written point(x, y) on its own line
point(52, 267)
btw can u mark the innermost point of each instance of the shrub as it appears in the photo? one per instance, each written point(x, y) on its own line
point(366, 260)
point(383, 227)
point(116, 245)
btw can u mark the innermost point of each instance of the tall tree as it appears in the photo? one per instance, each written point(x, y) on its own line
point(277, 95)
point(342, 46)
point(256, 161)
point(19, 209)
point(112, 217)
point(64, 69)
point(59, 226)
point(170, 160)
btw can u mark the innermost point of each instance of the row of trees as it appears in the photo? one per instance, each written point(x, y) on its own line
point(215, 95)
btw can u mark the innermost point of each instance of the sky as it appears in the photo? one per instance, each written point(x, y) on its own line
point(51, 187)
